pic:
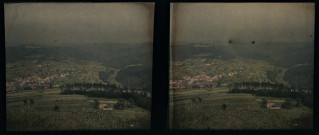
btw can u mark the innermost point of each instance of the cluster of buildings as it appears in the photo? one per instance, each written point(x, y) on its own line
point(272, 106)
point(199, 81)
point(106, 107)
point(33, 82)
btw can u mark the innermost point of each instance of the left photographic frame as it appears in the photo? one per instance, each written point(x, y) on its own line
point(78, 66)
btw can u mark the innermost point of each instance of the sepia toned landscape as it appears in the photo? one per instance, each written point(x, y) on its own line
point(78, 66)
point(242, 66)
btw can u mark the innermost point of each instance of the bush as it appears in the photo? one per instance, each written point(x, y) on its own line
point(25, 101)
point(264, 103)
point(299, 102)
point(224, 106)
point(119, 105)
point(56, 108)
point(31, 101)
point(27, 88)
point(131, 100)
point(96, 104)
point(287, 104)
point(122, 104)
point(200, 99)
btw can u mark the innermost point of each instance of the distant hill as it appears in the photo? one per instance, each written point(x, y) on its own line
point(273, 62)
point(81, 63)
point(284, 55)
point(113, 54)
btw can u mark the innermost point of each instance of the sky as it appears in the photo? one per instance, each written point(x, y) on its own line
point(78, 23)
point(242, 22)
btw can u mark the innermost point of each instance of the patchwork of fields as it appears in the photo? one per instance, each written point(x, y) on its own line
point(76, 112)
point(242, 111)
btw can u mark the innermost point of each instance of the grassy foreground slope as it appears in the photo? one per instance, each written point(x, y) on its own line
point(76, 112)
point(243, 111)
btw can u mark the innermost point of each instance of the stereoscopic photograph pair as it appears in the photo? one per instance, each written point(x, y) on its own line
point(89, 66)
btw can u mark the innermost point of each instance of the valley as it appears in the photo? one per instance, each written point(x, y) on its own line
point(241, 86)
point(78, 88)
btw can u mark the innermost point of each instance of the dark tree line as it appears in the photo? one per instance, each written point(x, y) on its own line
point(89, 86)
point(97, 86)
point(253, 85)
point(109, 91)
point(272, 90)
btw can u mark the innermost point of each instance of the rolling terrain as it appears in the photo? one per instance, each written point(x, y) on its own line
point(111, 63)
point(76, 112)
point(243, 111)
point(216, 86)
point(62, 87)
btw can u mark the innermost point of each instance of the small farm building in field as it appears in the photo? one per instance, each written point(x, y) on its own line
point(106, 106)
point(273, 106)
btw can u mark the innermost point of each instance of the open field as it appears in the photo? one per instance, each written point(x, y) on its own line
point(76, 112)
point(243, 111)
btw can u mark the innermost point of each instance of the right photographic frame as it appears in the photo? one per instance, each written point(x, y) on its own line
point(241, 66)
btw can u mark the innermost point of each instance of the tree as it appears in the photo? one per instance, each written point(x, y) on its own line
point(56, 108)
point(144, 89)
point(27, 88)
point(299, 102)
point(131, 100)
point(31, 101)
point(128, 104)
point(25, 101)
point(219, 84)
point(96, 104)
point(119, 105)
point(224, 106)
point(194, 100)
point(200, 99)
point(51, 85)
point(264, 103)
point(287, 104)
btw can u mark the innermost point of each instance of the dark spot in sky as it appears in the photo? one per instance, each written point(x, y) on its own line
point(230, 41)
point(253, 42)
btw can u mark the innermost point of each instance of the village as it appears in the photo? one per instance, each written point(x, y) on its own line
point(201, 77)
point(33, 82)
point(199, 81)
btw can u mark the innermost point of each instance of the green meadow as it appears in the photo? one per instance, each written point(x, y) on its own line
point(242, 111)
point(76, 112)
